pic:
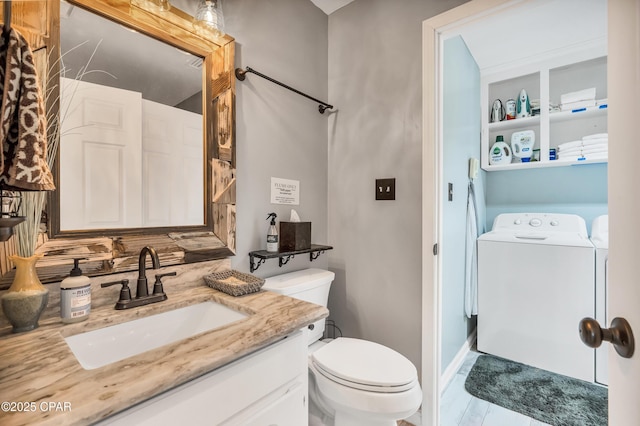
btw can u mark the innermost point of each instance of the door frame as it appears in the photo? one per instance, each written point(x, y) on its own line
point(623, 69)
point(433, 34)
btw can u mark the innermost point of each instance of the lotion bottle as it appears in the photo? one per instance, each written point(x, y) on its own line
point(75, 295)
point(272, 235)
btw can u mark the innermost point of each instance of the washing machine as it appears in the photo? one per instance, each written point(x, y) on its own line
point(535, 284)
point(600, 240)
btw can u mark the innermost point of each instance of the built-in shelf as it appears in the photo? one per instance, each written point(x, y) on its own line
point(515, 123)
point(284, 256)
point(598, 111)
point(542, 164)
point(547, 80)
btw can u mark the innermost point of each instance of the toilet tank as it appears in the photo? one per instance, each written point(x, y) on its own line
point(311, 285)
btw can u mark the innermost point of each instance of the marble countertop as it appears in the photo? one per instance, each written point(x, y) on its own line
point(38, 367)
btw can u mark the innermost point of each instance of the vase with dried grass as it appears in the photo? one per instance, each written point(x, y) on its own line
point(25, 300)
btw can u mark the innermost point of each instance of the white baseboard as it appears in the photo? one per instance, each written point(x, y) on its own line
point(457, 361)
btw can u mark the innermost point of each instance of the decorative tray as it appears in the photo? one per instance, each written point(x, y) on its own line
point(234, 283)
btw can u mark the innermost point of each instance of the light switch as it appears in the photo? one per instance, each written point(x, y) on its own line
point(386, 189)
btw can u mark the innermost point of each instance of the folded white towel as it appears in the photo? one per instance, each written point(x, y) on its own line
point(570, 106)
point(582, 151)
point(590, 142)
point(572, 144)
point(596, 136)
point(600, 156)
point(586, 144)
point(580, 95)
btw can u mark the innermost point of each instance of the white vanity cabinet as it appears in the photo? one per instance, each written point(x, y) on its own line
point(267, 387)
point(546, 80)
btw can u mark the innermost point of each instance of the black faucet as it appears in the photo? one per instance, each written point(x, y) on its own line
point(142, 291)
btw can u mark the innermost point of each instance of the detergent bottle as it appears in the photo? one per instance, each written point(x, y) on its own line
point(500, 153)
point(522, 144)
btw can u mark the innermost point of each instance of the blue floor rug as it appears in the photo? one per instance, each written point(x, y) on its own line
point(548, 397)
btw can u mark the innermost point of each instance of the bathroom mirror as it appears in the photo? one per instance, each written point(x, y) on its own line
point(206, 178)
point(131, 138)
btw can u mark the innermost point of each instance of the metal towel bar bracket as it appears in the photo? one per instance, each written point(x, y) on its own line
point(241, 75)
point(6, 11)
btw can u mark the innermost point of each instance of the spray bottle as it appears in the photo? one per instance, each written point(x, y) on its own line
point(272, 235)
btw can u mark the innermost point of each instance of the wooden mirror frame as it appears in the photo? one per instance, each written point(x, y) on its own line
point(113, 251)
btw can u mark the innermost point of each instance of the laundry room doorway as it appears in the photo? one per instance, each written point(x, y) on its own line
point(624, 297)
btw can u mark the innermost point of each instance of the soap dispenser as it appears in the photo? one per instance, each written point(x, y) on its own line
point(272, 235)
point(75, 295)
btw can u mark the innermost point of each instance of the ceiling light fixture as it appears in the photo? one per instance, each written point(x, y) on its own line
point(209, 16)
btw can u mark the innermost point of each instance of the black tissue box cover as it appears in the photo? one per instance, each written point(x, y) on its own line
point(295, 236)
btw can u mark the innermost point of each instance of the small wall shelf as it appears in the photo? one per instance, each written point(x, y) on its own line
point(284, 256)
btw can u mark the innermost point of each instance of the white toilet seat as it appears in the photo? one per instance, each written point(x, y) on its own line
point(364, 365)
point(361, 406)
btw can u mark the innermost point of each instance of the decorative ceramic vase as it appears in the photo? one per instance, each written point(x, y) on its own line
point(27, 297)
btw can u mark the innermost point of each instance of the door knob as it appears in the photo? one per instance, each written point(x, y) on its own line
point(619, 334)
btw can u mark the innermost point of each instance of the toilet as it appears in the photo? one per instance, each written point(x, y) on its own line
point(352, 382)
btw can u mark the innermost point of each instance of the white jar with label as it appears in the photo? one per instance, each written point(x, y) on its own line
point(75, 296)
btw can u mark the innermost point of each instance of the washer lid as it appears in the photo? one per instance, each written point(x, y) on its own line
point(600, 232)
point(356, 362)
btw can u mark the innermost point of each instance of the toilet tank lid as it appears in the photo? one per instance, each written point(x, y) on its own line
point(294, 282)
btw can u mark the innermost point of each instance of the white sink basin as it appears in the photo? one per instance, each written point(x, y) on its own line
point(104, 346)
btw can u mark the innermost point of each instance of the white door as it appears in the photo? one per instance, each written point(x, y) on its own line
point(172, 166)
point(624, 200)
point(100, 171)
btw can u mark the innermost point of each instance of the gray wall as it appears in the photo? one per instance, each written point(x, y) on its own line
point(461, 141)
point(366, 59)
point(375, 80)
point(279, 134)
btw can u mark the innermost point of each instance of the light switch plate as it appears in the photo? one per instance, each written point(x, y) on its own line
point(386, 189)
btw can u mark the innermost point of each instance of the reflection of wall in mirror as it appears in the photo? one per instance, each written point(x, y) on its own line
point(128, 162)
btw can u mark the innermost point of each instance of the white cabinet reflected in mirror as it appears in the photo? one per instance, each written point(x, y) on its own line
point(132, 151)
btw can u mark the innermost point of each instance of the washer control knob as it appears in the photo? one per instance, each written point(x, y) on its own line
point(517, 221)
point(554, 223)
point(535, 222)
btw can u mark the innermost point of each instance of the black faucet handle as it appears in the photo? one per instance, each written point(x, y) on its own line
point(125, 292)
point(157, 286)
point(166, 274)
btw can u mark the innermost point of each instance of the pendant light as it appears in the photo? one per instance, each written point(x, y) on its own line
point(209, 17)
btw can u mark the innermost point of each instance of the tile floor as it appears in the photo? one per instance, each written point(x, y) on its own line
point(459, 408)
